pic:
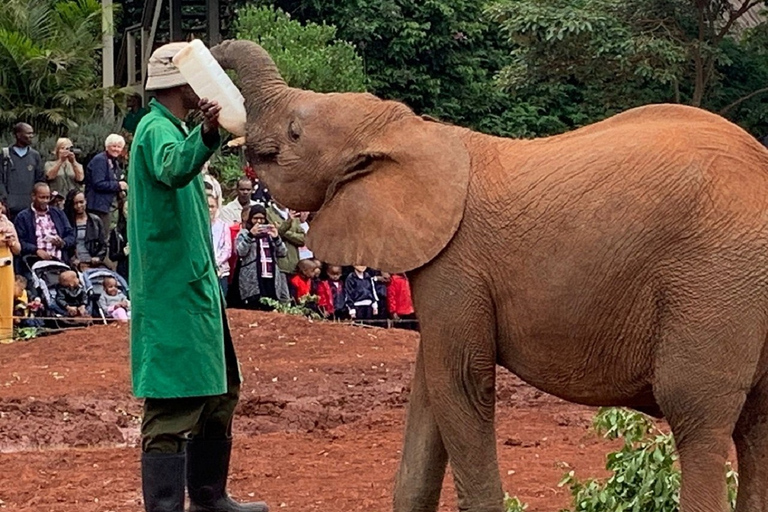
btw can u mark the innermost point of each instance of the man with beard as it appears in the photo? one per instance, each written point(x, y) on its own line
point(182, 359)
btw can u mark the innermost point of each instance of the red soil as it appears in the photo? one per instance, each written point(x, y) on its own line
point(319, 426)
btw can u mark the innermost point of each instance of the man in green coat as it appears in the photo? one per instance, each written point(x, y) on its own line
point(182, 359)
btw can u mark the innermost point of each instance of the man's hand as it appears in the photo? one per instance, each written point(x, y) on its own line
point(210, 111)
point(71, 311)
point(43, 255)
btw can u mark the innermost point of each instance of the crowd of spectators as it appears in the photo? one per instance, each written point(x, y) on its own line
point(63, 211)
point(262, 260)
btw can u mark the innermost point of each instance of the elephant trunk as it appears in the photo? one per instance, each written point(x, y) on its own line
point(260, 80)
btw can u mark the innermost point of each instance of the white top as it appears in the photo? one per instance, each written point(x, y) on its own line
point(232, 212)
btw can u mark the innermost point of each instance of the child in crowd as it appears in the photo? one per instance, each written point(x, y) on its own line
point(114, 302)
point(24, 311)
point(306, 282)
point(380, 283)
point(400, 302)
point(332, 294)
point(70, 295)
point(362, 300)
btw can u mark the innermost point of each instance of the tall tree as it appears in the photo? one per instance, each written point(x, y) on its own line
point(632, 51)
point(308, 55)
point(50, 61)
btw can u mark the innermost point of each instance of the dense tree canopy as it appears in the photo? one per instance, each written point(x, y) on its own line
point(309, 56)
point(50, 62)
point(609, 55)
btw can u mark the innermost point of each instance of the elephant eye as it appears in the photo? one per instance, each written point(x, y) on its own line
point(294, 132)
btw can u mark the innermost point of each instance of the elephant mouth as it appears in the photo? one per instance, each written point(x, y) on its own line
point(359, 167)
point(264, 153)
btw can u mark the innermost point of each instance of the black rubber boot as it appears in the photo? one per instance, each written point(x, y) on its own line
point(162, 481)
point(207, 470)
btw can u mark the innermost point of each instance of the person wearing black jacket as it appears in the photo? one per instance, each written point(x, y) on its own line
point(362, 299)
point(118, 240)
point(90, 248)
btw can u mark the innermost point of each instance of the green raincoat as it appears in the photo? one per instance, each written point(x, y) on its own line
point(177, 337)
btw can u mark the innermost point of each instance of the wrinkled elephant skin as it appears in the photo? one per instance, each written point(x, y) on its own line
point(622, 264)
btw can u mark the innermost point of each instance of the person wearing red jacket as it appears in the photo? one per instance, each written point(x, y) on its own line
point(306, 282)
point(400, 302)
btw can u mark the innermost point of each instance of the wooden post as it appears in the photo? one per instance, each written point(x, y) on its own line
point(6, 293)
point(108, 56)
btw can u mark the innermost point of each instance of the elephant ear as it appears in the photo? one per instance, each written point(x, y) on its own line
point(403, 207)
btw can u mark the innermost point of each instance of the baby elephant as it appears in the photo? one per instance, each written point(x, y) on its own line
point(636, 269)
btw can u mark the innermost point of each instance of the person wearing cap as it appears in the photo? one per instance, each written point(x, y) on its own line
point(183, 363)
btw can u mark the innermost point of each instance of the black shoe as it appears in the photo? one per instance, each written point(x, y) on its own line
point(207, 470)
point(162, 481)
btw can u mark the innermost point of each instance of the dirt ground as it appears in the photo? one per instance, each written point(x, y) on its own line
point(319, 426)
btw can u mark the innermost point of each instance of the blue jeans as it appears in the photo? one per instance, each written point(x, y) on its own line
point(224, 283)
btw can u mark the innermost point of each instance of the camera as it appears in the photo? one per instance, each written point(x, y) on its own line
point(74, 150)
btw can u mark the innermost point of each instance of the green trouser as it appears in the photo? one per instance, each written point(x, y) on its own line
point(169, 422)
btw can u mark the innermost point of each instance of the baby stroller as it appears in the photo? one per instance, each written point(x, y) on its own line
point(95, 278)
point(45, 279)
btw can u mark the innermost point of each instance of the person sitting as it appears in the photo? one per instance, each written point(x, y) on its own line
point(90, 248)
point(113, 301)
point(71, 297)
point(362, 301)
point(43, 231)
point(258, 245)
point(24, 311)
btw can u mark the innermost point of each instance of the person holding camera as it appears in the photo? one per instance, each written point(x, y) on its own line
point(64, 173)
point(259, 246)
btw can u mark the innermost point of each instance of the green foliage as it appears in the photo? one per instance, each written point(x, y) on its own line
point(645, 474)
point(581, 61)
point(228, 168)
point(437, 56)
point(288, 308)
point(25, 333)
point(49, 56)
point(89, 136)
point(308, 56)
point(512, 504)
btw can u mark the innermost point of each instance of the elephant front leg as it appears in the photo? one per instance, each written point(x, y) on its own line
point(422, 468)
point(460, 361)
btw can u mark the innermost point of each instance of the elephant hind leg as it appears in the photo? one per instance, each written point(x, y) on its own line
point(701, 376)
point(751, 439)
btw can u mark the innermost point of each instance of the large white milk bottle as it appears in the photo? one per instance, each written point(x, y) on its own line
point(206, 76)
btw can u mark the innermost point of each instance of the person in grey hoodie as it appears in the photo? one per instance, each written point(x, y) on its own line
point(20, 168)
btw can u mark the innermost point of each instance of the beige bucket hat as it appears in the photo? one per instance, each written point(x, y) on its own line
point(161, 72)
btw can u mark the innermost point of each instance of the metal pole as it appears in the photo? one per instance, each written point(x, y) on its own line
point(214, 24)
point(108, 56)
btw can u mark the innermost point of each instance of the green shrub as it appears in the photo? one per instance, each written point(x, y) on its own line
point(645, 474)
point(289, 308)
point(513, 504)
